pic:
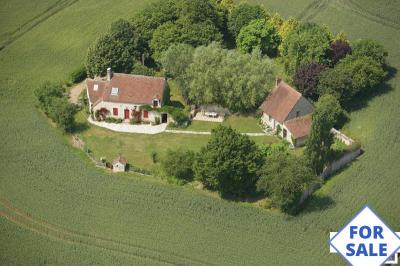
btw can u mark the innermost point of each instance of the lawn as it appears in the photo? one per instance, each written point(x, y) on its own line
point(152, 223)
point(138, 148)
point(243, 124)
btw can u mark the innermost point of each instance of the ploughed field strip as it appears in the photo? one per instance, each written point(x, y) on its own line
point(26, 221)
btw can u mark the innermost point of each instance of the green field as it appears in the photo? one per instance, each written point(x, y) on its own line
point(57, 209)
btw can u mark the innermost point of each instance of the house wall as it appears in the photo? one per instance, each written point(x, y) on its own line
point(303, 106)
point(273, 124)
point(118, 167)
point(121, 110)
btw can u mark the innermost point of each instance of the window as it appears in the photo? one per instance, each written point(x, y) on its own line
point(96, 87)
point(115, 111)
point(155, 103)
point(297, 113)
point(284, 133)
point(145, 114)
point(114, 91)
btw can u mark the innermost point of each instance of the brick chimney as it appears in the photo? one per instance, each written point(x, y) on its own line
point(109, 74)
point(278, 80)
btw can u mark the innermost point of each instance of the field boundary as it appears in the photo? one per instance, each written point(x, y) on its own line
point(42, 227)
point(35, 21)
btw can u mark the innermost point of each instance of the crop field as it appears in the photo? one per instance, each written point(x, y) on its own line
point(57, 209)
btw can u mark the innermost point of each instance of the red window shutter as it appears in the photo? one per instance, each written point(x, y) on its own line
point(145, 114)
point(115, 111)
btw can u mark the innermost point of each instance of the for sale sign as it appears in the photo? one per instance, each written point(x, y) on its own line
point(365, 240)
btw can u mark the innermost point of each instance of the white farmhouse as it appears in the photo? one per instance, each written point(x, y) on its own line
point(288, 113)
point(122, 95)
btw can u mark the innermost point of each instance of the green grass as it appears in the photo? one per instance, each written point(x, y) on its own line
point(137, 148)
point(42, 175)
point(243, 124)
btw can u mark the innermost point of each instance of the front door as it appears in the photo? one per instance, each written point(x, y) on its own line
point(164, 118)
point(126, 114)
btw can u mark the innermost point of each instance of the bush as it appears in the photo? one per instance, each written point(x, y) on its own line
point(179, 164)
point(139, 69)
point(154, 156)
point(157, 120)
point(283, 179)
point(46, 92)
point(62, 113)
point(113, 120)
point(79, 74)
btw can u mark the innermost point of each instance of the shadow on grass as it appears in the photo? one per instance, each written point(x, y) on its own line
point(80, 127)
point(316, 203)
point(362, 99)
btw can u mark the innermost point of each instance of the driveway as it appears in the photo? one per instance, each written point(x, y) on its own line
point(75, 92)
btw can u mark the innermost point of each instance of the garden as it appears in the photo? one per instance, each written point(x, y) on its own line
point(233, 64)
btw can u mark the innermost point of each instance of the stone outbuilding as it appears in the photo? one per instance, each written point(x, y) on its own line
point(119, 164)
point(287, 113)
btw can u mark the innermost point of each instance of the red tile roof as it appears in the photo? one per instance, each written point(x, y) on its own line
point(120, 159)
point(299, 127)
point(134, 89)
point(280, 101)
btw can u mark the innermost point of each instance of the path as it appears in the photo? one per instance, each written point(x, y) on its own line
point(209, 133)
point(75, 92)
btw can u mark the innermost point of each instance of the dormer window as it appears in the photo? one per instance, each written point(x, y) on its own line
point(114, 91)
point(156, 102)
point(96, 87)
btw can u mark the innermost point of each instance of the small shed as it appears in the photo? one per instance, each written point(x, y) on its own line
point(119, 164)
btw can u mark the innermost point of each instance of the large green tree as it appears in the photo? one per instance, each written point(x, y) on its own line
point(308, 43)
point(176, 59)
point(259, 33)
point(195, 22)
point(231, 79)
point(318, 144)
point(229, 163)
point(118, 49)
point(284, 178)
point(371, 49)
point(351, 76)
point(241, 16)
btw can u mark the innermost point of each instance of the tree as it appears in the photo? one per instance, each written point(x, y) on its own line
point(195, 22)
point(229, 163)
point(116, 49)
point(183, 31)
point(139, 69)
point(260, 34)
point(308, 43)
point(179, 164)
point(176, 59)
point(46, 92)
point(371, 49)
point(284, 178)
point(351, 76)
point(318, 144)
point(231, 79)
point(287, 27)
point(306, 79)
point(62, 113)
point(339, 49)
point(242, 15)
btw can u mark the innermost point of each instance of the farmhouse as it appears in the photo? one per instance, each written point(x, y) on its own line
point(122, 96)
point(288, 113)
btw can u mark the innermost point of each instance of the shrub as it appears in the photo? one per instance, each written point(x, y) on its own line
point(157, 120)
point(79, 74)
point(179, 164)
point(46, 92)
point(139, 69)
point(154, 156)
point(283, 179)
point(113, 120)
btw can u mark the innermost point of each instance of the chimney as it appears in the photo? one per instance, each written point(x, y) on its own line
point(278, 80)
point(109, 74)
